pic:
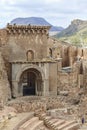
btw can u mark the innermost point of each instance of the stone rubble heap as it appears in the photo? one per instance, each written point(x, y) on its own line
point(6, 114)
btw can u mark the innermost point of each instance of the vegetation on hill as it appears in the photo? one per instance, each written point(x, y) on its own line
point(76, 33)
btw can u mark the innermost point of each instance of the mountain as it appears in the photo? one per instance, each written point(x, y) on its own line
point(75, 33)
point(74, 27)
point(35, 21)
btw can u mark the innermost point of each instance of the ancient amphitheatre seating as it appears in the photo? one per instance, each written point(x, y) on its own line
point(32, 123)
point(23, 121)
point(67, 124)
point(59, 124)
point(51, 123)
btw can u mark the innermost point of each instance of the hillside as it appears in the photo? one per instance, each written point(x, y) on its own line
point(35, 21)
point(75, 33)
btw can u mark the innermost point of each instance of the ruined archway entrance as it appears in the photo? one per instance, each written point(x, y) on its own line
point(29, 78)
point(30, 82)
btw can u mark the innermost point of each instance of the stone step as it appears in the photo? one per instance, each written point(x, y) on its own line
point(66, 124)
point(36, 125)
point(16, 122)
point(42, 116)
point(52, 121)
point(48, 118)
point(22, 121)
point(58, 123)
point(49, 123)
point(29, 123)
point(74, 126)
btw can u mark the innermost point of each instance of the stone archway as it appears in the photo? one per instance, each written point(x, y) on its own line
point(40, 75)
point(30, 82)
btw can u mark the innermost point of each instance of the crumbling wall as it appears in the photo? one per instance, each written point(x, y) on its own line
point(5, 93)
point(65, 56)
point(3, 37)
point(56, 48)
point(72, 55)
point(85, 53)
point(67, 81)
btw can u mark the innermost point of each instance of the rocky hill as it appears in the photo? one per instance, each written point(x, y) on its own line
point(35, 21)
point(75, 33)
point(75, 26)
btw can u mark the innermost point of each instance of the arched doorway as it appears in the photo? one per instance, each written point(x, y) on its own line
point(30, 82)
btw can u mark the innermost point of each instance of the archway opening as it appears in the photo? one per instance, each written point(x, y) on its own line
point(29, 88)
point(30, 82)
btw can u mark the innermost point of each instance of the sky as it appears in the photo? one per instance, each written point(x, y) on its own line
point(56, 12)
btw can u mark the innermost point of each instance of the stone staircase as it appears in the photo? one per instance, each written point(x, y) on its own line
point(15, 122)
point(31, 124)
point(58, 124)
point(25, 121)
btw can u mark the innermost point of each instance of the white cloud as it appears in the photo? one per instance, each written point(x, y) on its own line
point(7, 2)
point(57, 12)
point(52, 1)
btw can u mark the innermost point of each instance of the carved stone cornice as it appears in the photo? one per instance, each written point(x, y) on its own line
point(26, 29)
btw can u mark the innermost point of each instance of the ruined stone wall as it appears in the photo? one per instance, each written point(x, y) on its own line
point(67, 81)
point(3, 37)
point(56, 47)
point(5, 92)
point(85, 74)
point(65, 56)
point(85, 53)
point(33, 103)
point(17, 41)
point(67, 52)
point(22, 39)
point(53, 78)
point(80, 52)
point(72, 55)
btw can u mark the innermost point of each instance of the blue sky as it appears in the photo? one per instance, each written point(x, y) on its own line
point(57, 12)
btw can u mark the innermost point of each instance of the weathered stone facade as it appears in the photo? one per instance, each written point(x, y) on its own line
point(39, 65)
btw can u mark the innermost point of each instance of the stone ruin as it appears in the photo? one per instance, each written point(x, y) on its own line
point(51, 73)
